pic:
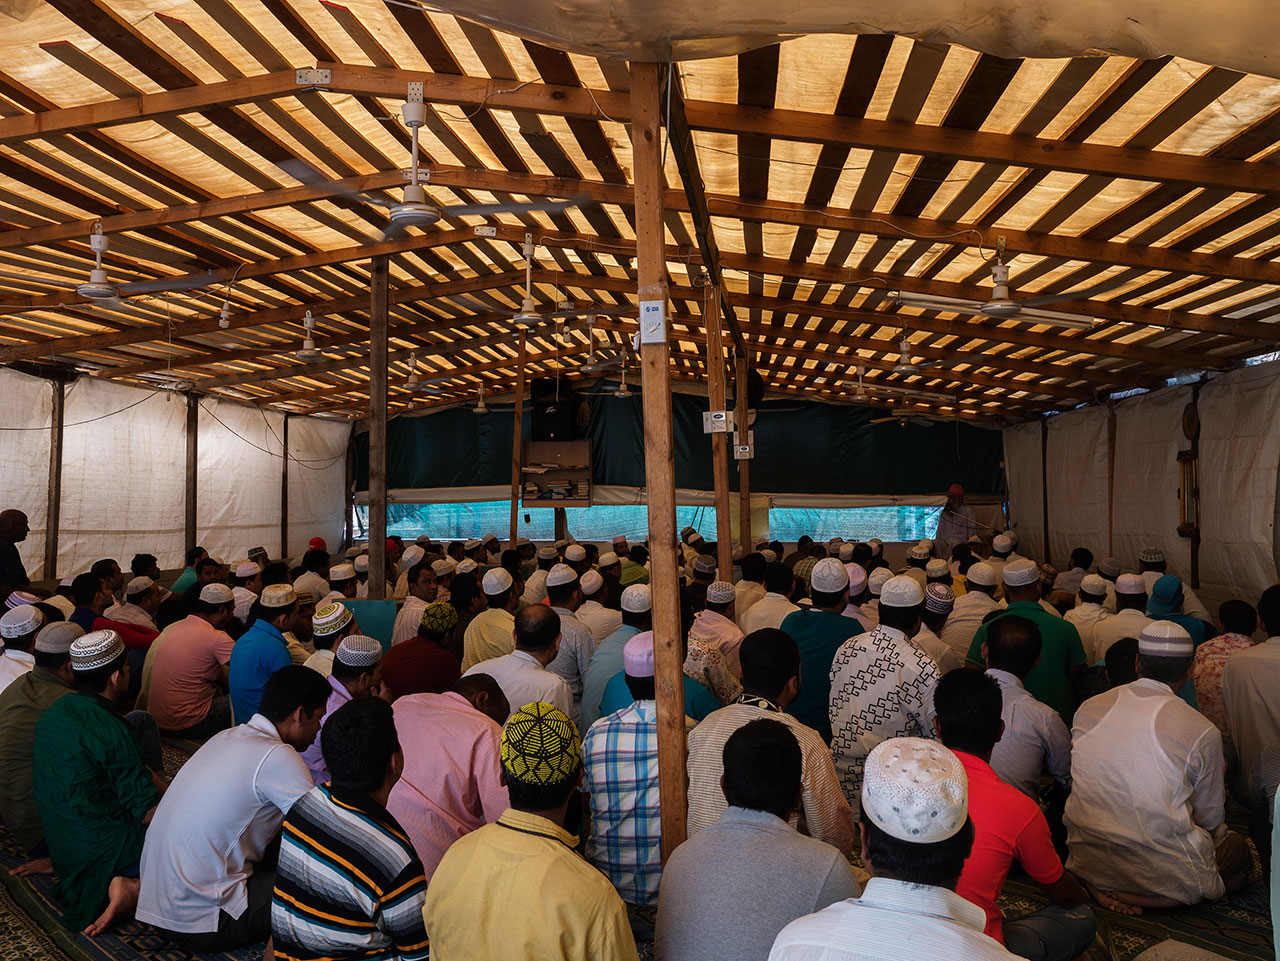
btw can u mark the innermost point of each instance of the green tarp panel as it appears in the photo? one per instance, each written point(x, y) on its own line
point(377, 619)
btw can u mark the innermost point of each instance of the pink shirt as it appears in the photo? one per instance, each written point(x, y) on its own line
point(450, 783)
point(189, 658)
point(338, 696)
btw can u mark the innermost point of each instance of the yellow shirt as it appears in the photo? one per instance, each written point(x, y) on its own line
point(490, 634)
point(517, 889)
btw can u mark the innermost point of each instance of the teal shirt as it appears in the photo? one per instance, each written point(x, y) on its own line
point(819, 635)
point(605, 662)
point(1060, 648)
point(184, 581)
point(259, 653)
point(92, 791)
point(698, 701)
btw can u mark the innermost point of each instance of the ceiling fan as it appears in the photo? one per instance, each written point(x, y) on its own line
point(904, 418)
point(604, 360)
point(862, 394)
point(480, 407)
point(100, 291)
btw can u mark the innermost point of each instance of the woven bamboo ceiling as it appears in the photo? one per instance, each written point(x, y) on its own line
point(812, 178)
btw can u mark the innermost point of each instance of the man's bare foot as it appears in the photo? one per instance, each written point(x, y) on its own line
point(270, 953)
point(1111, 900)
point(122, 898)
point(38, 866)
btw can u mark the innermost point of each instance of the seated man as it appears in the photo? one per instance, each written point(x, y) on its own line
point(423, 664)
point(523, 674)
point(357, 672)
point(637, 616)
point(1089, 613)
point(208, 867)
point(94, 794)
point(422, 589)
point(329, 625)
point(184, 688)
point(1249, 706)
point(1007, 826)
point(18, 629)
point(489, 633)
point(916, 837)
point(518, 888)
point(577, 645)
point(771, 673)
point(451, 784)
point(262, 649)
point(248, 585)
point(142, 597)
point(348, 884)
point(1239, 620)
point(600, 620)
point(1145, 817)
point(714, 626)
point(734, 862)
point(1166, 603)
point(820, 630)
point(774, 605)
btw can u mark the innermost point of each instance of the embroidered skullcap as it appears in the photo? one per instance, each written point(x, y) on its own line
point(471, 545)
point(317, 544)
point(305, 597)
point(637, 655)
point(56, 638)
point(877, 579)
point(719, 592)
point(1131, 584)
point(937, 568)
point(466, 566)
point(1109, 567)
point(592, 582)
point(217, 594)
point(245, 569)
point(361, 564)
point(547, 553)
point(444, 567)
point(341, 572)
point(412, 554)
point(1166, 639)
point(915, 790)
point(561, 544)
point(278, 595)
point(20, 621)
point(637, 599)
point(490, 537)
point(1048, 574)
point(540, 745)
point(704, 564)
point(770, 557)
point(857, 578)
point(575, 553)
point(901, 591)
point(939, 599)
point(523, 542)
point(330, 619)
point(620, 539)
point(955, 490)
point(439, 617)
point(19, 598)
point(1152, 555)
point(607, 559)
point(495, 581)
point(1020, 573)
point(981, 574)
point(919, 552)
point(1093, 584)
point(359, 650)
point(95, 649)
point(846, 553)
point(1001, 544)
point(561, 574)
point(828, 576)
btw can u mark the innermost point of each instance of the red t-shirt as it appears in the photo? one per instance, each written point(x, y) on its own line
point(1007, 824)
point(419, 666)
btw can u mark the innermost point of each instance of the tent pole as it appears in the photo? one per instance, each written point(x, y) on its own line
point(719, 441)
point(1044, 483)
point(52, 518)
point(378, 428)
point(1111, 479)
point(284, 490)
point(193, 455)
point(517, 442)
point(655, 378)
point(744, 466)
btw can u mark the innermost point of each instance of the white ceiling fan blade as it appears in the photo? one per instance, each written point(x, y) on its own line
point(487, 210)
point(1055, 318)
point(168, 284)
point(935, 302)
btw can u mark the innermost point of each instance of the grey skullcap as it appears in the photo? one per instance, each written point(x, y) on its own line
point(704, 564)
point(720, 592)
point(359, 650)
point(20, 621)
point(547, 553)
point(56, 638)
point(1109, 567)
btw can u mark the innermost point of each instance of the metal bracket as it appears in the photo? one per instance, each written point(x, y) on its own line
point(313, 77)
point(415, 91)
point(424, 175)
point(485, 230)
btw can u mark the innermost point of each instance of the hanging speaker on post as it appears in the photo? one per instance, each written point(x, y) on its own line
point(552, 411)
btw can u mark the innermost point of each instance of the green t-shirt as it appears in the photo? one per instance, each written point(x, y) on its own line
point(1060, 648)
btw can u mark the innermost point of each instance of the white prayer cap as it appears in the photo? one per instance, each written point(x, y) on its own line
point(343, 572)
point(1020, 573)
point(704, 564)
point(444, 567)
point(20, 621)
point(1166, 639)
point(575, 553)
point(919, 552)
point(471, 545)
point(637, 599)
point(95, 649)
point(939, 599)
point(547, 553)
point(244, 569)
point(1109, 567)
point(607, 559)
point(1131, 584)
point(982, 574)
point(523, 542)
point(828, 576)
point(561, 574)
point(278, 595)
point(412, 554)
point(901, 591)
point(67, 581)
point(1093, 584)
point(720, 592)
point(495, 581)
point(18, 598)
point(591, 582)
point(490, 537)
point(1151, 555)
point(218, 594)
point(467, 565)
point(770, 557)
point(56, 638)
point(857, 578)
point(1012, 535)
point(915, 790)
point(877, 579)
point(937, 567)
point(877, 546)
point(354, 552)
point(359, 650)
point(138, 585)
point(846, 553)
point(1001, 544)
point(637, 655)
point(330, 619)
point(361, 564)
point(620, 540)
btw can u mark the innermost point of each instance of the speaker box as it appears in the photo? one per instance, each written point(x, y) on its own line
point(552, 420)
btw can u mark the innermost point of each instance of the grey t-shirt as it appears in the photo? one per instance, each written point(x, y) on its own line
point(729, 890)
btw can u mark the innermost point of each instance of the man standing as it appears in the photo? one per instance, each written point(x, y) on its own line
point(637, 616)
point(819, 631)
point(262, 649)
point(13, 531)
point(207, 875)
point(489, 633)
point(576, 643)
point(956, 524)
point(423, 664)
point(185, 689)
point(357, 672)
point(422, 588)
point(775, 605)
point(523, 674)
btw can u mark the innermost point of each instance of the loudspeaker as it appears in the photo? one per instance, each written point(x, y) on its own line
point(552, 420)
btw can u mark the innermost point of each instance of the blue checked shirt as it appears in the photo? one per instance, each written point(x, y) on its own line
point(620, 773)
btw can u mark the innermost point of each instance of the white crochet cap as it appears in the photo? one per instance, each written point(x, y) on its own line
point(857, 578)
point(591, 582)
point(771, 557)
point(495, 581)
point(278, 595)
point(1093, 584)
point(704, 564)
point(217, 594)
point(919, 552)
point(96, 649)
point(490, 538)
point(56, 638)
point(575, 553)
point(901, 591)
point(877, 579)
point(20, 621)
point(140, 584)
point(1001, 544)
point(1131, 584)
point(915, 790)
point(877, 546)
point(547, 553)
point(828, 576)
point(411, 556)
point(359, 650)
point(344, 572)
point(1012, 535)
point(561, 574)
point(637, 599)
point(1109, 567)
point(981, 574)
point(607, 559)
point(620, 540)
point(523, 542)
point(1166, 639)
point(243, 569)
point(467, 565)
point(846, 552)
point(937, 568)
point(1021, 573)
point(471, 545)
point(444, 567)
point(361, 564)
point(720, 592)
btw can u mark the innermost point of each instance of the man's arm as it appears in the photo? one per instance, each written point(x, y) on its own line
point(826, 810)
point(400, 913)
point(1057, 748)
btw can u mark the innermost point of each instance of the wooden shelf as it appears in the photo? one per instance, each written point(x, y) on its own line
point(564, 502)
point(572, 460)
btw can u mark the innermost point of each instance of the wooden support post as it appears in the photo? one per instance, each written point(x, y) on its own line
point(349, 527)
point(1111, 479)
point(744, 466)
point(659, 467)
point(54, 509)
point(284, 490)
point(378, 429)
point(517, 442)
point(193, 454)
point(719, 442)
point(1044, 484)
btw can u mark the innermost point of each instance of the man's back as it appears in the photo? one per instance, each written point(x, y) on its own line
point(524, 680)
point(1086, 618)
point(189, 656)
point(22, 704)
point(965, 619)
point(419, 666)
point(1060, 650)
point(577, 646)
point(258, 654)
point(1035, 738)
point(769, 611)
point(818, 635)
point(490, 634)
point(605, 663)
point(720, 900)
point(1250, 681)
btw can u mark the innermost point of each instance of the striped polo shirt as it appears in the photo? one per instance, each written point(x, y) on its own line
point(348, 883)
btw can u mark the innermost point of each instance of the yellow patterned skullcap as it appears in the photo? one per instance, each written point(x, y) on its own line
point(439, 616)
point(540, 745)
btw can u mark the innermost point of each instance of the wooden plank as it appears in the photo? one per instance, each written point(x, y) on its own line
point(517, 438)
point(744, 466)
point(192, 475)
point(378, 428)
point(655, 377)
point(284, 491)
point(719, 442)
point(54, 509)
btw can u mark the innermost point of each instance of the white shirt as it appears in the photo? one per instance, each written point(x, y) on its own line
point(716, 630)
point(943, 656)
point(600, 620)
point(854, 611)
point(892, 921)
point(745, 595)
point(577, 647)
point(321, 662)
point(1085, 619)
point(870, 612)
point(1069, 581)
point(1034, 739)
point(524, 680)
point(955, 526)
point(965, 619)
point(13, 664)
point(769, 611)
point(1250, 681)
point(130, 614)
point(1127, 623)
point(401, 590)
point(216, 819)
point(535, 588)
point(313, 584)
point(244, 601)
point(407, 621)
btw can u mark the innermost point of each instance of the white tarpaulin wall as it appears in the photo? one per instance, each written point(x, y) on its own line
point(1077, 476)
point(240, 458)
point(317, 475)
point(24, 458)
point(1023, 468)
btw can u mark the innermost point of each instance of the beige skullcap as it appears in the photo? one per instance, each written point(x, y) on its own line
point(217, 594)
point(489, 537)
point(359, 650)
point(877, 579)
point(981, 574)
point(139, 584)
point(495, 581)
point(591, 582)
point(278, 595)
point(575, 553)
point(1166, 639)
point(247, 569)
point(95, 649)
point(1001, 544)
point(306, 597)
point(919, 552)
point(828, 576)
point(876, 545)
point(412, 554)
point(637, 599)
point(547, 553)
point(342, 572)
point(471, 545)
point(720, 592)
point(1021, 573)
point(620, 539)
point(561, 574)
point(937, 568)
point(361, 564)
point(562, 544)
point(704, 564)
point(523, 542)
point(20, 621)
point(607, 559)
point(771, 557)
point(444, 567)
point(56, 638)
point(1093, 584)
point(1131, 584)
point(353, 553)
point(901, 591)
point(846, 552)
point(915, 790)
point(466, 566)
point(330, 619)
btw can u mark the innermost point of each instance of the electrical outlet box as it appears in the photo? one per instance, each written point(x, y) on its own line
point(717, 422)
point(653, 322)
point(485, 230)
point(743, 451)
